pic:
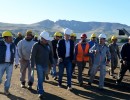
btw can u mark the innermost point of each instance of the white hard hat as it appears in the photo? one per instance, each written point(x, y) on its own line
point(129, 37)
point(45, 35)
point(102, 36)
point(67, 31)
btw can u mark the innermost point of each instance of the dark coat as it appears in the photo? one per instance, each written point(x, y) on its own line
point(61, 49)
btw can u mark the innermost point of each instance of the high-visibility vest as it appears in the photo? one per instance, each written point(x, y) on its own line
point(80, 54)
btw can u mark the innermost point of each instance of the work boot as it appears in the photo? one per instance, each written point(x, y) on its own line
point(47, 77)
point(69, 88)
point(6, 92)
point(30, 85)
point(22, 84)
point(89, 83)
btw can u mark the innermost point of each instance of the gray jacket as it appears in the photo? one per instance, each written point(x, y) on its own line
point(41, 55)
point(114, 50)
point(102, 55)
point(24, 49)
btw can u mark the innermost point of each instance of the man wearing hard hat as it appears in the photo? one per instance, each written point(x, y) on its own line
point(54, 45)
point(114, 50)
point(35, 38)
point(101, 52)
point(7, 54)
point(24, 50)
point(125, 62)
point(65, 56)
point(92, 42)
point(41, 54)
point(73, 38)
point(19, 37)
point(81, 56)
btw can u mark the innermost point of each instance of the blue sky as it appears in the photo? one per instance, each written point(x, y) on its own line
point(32, 11)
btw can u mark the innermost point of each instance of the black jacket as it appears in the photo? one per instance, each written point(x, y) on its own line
point(3, 52)
point(41, 54)
point(125, 52)
point(17, 40)
point(61, 49)
point(54, 45)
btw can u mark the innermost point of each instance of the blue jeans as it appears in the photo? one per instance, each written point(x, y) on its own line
point(41, 71)
point(53, 69)
point(9, 69)
point(66, 63)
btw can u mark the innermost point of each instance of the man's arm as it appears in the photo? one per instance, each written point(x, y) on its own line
point(33, 55)
point(19, 48)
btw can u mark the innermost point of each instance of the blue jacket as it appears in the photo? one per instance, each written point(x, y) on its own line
point(61, 49)
point(3, 52)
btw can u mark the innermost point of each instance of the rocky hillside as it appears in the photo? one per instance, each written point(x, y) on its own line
point(77, 27)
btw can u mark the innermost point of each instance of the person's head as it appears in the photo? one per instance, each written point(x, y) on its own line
point(36, 37)
point(44, 37)
point(93, 37)
point(67, 33)
point(73, 36)
point(19, 34)
point(57, 35)
point(29, 35)
point(7, 35)
point(83, 37)
point(61, 35)
point(114, 39)
point(102, 38)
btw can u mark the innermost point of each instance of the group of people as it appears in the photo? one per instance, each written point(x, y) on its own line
point(64, 52)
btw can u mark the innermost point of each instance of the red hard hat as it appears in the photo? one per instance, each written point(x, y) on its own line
point(83, 35)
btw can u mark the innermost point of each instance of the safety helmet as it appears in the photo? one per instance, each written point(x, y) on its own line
point(57, 34)
point(83, 35)
point(6, 33)
point(113, 37)
point(29, 32)
point(129, 37)
point(36, 36)
point(67, 31)
point(93, 35)
point(60, 34)
point(45, 35)
point(102, 36)
point(73, 34)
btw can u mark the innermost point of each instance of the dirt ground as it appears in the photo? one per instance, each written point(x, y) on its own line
point(111, 92)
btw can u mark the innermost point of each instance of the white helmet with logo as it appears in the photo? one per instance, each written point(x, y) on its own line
point(45, 35)
point(102, 36)
point(67, 31)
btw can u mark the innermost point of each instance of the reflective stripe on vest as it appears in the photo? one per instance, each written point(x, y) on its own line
point(80, 55)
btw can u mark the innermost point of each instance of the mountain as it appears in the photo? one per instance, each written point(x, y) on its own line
point(76, 26)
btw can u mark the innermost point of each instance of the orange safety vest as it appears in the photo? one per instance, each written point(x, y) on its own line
point(80, 55)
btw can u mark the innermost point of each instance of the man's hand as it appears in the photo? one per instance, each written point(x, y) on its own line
point(60, 60)
point(95, 51)
point(73, 61)
point(107, 63)
point(15, 66)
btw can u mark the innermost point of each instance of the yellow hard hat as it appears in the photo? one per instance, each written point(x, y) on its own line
point(57, 34)
point(6, 33)
point(29, 32)
point(113, 37)
point(60, 34)
point(36, 36)
point(73, 34)
point(93, 35)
